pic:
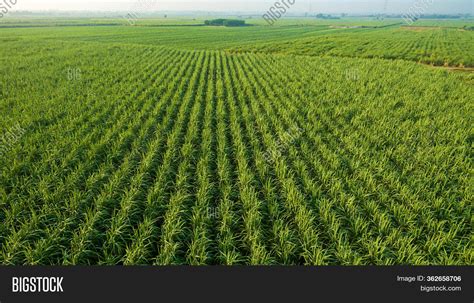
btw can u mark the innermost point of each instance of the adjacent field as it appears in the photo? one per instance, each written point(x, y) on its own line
point(429, 45)
point(157, 153)
point(439, 44)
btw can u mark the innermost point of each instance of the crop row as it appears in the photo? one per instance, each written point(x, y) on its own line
point(160, 156)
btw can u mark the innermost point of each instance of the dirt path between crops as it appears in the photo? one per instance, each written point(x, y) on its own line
point(452, 68)
point(420, 28)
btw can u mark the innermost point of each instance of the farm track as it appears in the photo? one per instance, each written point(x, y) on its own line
point(173, 169)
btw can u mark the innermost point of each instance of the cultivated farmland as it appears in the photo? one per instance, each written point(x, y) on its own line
point(259, 145)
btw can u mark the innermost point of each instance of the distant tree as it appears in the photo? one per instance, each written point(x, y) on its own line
point(225, 22)
point(234, 23)
point(323, 16)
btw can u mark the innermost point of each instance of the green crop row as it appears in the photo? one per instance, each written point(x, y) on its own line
point(160, 156)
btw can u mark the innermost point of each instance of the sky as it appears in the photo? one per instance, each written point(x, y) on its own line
point(324, 6)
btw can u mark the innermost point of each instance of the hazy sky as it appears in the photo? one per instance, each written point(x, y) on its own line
point(334, 6)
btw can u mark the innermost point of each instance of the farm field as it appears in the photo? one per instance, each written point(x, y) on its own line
point(437, 43)
point(429, 45)
point(299, 144)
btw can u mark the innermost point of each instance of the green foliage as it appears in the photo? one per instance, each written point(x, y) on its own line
point(428, 45)
point(157, 155)
point(225, 22)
